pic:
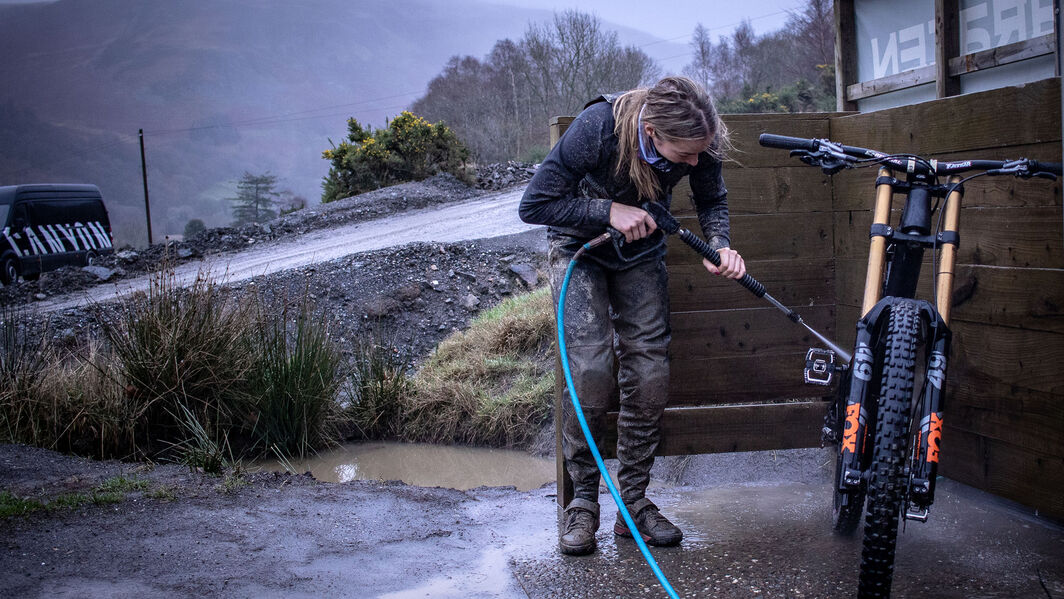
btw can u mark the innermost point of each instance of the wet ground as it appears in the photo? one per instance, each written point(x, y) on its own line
point(750, 533)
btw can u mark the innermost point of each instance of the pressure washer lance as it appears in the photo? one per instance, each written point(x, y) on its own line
point(670, 226)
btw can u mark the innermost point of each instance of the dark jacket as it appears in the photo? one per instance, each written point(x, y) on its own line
point(573, 188)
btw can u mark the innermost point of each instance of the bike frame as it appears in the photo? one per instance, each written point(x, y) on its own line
point(886, 284)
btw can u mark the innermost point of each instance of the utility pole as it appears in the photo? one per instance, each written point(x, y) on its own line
point(144, 175)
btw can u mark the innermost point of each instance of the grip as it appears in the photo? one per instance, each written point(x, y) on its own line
point(1045, 167)
point(770, 140)
point(752, 285)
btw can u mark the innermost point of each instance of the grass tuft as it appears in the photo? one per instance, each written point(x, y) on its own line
point(491, 384)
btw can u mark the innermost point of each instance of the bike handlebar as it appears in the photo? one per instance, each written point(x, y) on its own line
point(834, 156)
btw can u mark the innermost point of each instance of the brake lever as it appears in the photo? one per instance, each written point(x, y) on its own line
point(1021, 168)
point(830, 159)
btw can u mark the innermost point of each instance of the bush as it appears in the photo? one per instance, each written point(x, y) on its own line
point(377, 389)
point(181, 355)
point(409, 149)
point(193, 227)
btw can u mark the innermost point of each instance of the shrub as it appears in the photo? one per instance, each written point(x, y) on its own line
point(183, 353)
point(194, 227)
point(409, 149)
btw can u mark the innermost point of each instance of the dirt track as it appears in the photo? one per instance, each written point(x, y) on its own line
point(492, 215)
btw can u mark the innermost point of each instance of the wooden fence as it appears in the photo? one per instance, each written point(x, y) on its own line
point(736, 362)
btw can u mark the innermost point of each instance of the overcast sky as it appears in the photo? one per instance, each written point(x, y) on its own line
point(676, 19)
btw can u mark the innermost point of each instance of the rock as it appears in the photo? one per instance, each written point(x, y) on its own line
point(470, 302)
point(102, 273)
point(408, 293)
point(40, 296)
point(381, 306)
point(184, 253)
point(527, 273)
point(127, 255)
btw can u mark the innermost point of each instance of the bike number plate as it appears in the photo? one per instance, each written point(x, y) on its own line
point(819, 366)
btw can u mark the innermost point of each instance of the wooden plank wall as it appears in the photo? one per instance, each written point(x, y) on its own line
point(1005, 412)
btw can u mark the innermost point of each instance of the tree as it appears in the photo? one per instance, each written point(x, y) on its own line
point(254, 199)
point(790, 70)
point(500, 106)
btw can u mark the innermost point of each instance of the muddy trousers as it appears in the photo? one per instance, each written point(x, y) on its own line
point(614, 310)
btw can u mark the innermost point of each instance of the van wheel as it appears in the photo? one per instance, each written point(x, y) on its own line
point(91, 257)
point(8, 268)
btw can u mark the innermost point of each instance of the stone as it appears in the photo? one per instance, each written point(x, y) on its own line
point(102, 273)
point(470, 302)
point(527, 274)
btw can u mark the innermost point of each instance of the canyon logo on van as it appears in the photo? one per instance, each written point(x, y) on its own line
point(44, 227)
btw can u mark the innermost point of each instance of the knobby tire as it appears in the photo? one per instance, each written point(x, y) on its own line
point(887, 487)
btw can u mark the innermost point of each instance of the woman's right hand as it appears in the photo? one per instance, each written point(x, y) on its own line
point(634, 223)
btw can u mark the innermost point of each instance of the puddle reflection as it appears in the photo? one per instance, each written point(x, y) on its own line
point(427, 465)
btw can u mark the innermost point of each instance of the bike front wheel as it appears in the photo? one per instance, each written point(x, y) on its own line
point(887, 486)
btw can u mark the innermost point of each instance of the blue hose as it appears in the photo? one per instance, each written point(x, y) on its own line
point(587, 432)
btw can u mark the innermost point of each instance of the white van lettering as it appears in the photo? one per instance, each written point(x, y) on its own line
point(36, 247)
point(14, 246)
point(65, 230)
point(86, 239)
point(55, 244)
point(101, 235)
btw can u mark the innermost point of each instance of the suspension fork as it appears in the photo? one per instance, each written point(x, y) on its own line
point(929, 410)
point(855, 416)
point(877, 248)
point(924, 463)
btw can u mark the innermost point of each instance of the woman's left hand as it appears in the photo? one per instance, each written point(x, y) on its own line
point(732, 264)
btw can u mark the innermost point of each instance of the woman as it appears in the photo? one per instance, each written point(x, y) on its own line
point(621, 151)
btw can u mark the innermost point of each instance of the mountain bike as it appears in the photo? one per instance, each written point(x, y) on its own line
point(887, 417)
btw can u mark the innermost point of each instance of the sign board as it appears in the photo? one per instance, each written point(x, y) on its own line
point(893, 37)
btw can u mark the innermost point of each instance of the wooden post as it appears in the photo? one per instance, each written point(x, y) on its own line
point(144, 175)
point(845, 53)
point(947, 45)
point(558, 125)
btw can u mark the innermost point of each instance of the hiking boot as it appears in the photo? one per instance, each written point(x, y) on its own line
point(653, 527)
point(581, 522)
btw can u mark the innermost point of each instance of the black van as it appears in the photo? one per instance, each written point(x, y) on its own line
point(48, 226)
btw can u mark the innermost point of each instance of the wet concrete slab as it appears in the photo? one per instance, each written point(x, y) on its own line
point(774, 540)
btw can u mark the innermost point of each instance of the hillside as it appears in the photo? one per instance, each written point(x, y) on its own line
point(220, 87)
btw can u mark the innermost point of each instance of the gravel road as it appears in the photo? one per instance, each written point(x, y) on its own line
point(488, 216)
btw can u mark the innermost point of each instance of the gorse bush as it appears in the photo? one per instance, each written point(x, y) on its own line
point(408, 149)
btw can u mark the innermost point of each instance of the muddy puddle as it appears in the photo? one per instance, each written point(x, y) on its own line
point(426, 465)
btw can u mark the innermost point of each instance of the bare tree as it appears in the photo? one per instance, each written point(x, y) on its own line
point(500, 106)
point(700, 69)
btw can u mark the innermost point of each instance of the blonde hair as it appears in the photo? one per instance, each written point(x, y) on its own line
point(679, 110)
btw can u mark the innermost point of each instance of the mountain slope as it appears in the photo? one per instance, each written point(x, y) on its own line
point(219, 86)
